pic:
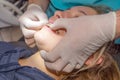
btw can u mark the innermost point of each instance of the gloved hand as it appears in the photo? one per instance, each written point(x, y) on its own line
point(31, 21)
point(84, 36)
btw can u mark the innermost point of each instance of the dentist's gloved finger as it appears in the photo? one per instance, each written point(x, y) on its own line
point(59, 24)
point(33, 24)
point(30, 42)
point(28, 33)
point(41, 17)
point(69, 68)
point(50, 57)
point(32, 45)
point(81, 61)
point(56, 66)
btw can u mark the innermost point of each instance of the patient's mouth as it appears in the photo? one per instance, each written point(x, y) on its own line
point(47, 28)
point(59, 31)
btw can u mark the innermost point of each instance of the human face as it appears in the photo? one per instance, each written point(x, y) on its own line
point(73, 12)
point(47, 39)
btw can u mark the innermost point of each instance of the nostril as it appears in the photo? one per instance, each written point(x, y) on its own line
point(58, 14)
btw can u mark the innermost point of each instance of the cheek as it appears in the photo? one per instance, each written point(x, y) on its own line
point(67, 15)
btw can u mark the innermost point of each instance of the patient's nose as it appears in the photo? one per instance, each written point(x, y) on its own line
point(59, 14)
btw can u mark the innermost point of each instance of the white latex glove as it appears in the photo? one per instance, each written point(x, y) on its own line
point(85, 35)
point(31, 21)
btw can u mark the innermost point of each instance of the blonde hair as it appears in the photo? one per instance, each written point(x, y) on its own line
point(107, 70)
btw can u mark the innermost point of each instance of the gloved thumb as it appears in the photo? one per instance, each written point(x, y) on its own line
point(58, 24)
